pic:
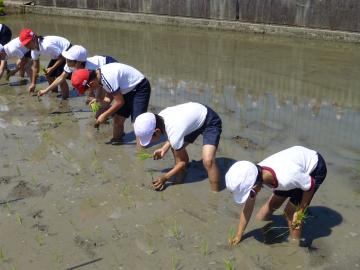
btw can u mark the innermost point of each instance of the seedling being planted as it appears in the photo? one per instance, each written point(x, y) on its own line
point(231, 234)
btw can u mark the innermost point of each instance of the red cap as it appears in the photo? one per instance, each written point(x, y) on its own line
point(79, 79)
point(26, 36)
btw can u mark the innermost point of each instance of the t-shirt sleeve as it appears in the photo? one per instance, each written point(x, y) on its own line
point(304, 181)
point(176, 141)
point(35, 55)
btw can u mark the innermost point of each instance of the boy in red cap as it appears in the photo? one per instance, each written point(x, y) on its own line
point(51, 46)
point(295, 173)
point(127, 86)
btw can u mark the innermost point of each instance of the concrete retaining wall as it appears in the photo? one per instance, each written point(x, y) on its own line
point(325, 14)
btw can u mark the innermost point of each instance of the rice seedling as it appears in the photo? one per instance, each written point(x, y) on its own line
point(13, 267)
point(39, 238)
point(204, 248)
point(150, 250)
point(231, 234)
point(2, 255)
point(18, 170)
point(143, 155)
point(301, 215)
point(175, 231)
point(174, 262)
point(228, 264)
point(19, 219)
point(91, 202)
point(95, 107)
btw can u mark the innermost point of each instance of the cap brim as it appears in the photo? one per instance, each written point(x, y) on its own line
point(145, 140)
point(67, 55)
point(241, 197)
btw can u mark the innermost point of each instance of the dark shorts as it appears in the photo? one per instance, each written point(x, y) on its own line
point(60, 69)
point(136, 101)
point(211, 129)
point(318, 174)
point(109, 59)
point(5, 35)
point(28, 54)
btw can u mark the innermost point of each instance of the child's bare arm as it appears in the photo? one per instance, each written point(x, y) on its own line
point(245, 216)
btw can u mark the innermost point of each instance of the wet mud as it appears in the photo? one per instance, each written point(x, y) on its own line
point(68, 200)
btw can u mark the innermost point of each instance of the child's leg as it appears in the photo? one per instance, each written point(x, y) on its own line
point(270, 206)
point(289, 211)
point(208, 156)
point(118, 127)
point(179, 178)
point(64, 90)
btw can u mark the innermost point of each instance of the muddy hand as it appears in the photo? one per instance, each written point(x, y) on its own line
point(158, 184)
point(234, 241)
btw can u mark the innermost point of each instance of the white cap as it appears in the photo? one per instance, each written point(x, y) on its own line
point(76, 52)
point(144, 127)
point(240, 178)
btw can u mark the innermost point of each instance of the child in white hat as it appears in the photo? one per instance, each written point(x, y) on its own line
point(295, 173)
point(182, 124)
point(76, 58)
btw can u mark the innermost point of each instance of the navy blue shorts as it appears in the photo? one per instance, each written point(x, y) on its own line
point(319, 174)
point(5, 34)
point(109, 59)
point(136, 101)
point(60, 69)
point(211, 129)
point(28, 54)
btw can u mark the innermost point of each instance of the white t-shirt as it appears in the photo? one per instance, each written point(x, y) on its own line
point(15, 49)
point(120, 77)
point(91, 63)
point(292, 167)
point(51, 46)
point(181, 120)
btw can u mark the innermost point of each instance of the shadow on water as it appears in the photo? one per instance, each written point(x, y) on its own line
point(196, 171)
point(319, 223)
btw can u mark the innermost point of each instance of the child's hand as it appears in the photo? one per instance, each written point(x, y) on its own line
point(101, 119)
point(31, 88)
point(159, 182)
point(296, 223)
point(159, 154)
point(41, 92)
point(234, 241)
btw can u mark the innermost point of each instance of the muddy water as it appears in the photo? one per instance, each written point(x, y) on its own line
point(72, 199)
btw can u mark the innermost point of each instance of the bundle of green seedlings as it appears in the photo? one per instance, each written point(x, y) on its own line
point(301, 215)
point(143, 154)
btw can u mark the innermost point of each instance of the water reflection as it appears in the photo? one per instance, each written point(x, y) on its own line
point(288, 88)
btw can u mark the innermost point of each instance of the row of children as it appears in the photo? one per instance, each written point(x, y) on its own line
point(294, 173)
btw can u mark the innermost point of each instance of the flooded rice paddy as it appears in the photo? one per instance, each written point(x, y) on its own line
point(70, 201)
